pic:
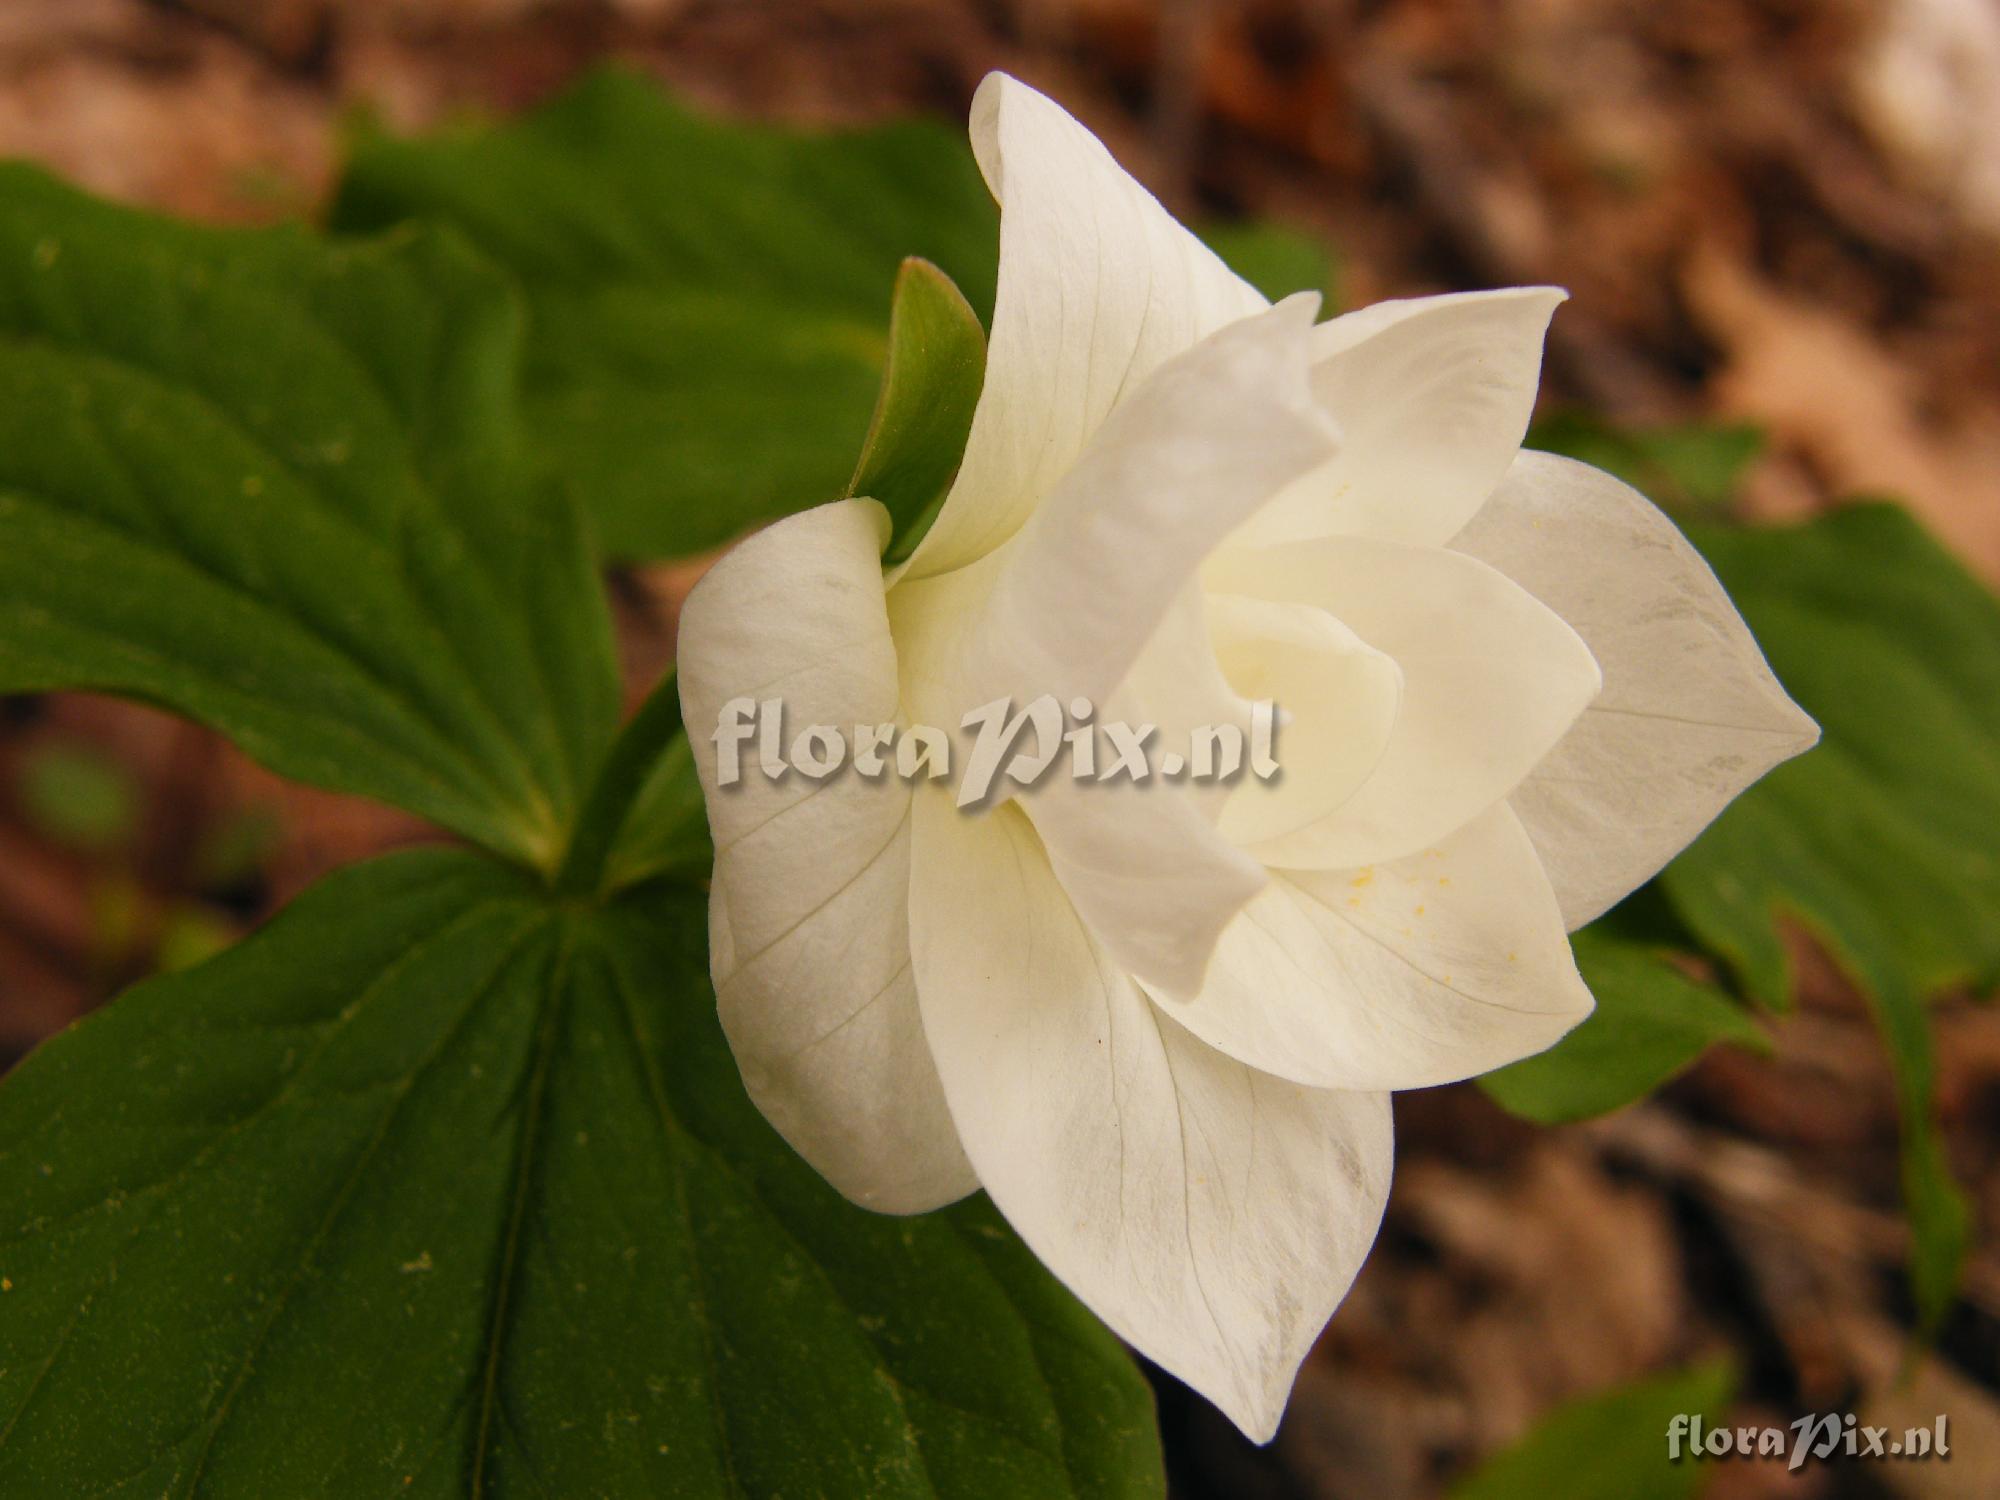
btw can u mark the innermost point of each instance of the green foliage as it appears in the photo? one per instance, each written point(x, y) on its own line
point(707, 298)
point(445, 1182)
point(436, 1188)
point(1694, 467)
point(1609, 1446)
point(667, 828)
point(1885, 840)
point(1888, 832)
point(1651, 1022)
point(277, 486)
point(1276, 260)
point(937, 361)
point(601, 857)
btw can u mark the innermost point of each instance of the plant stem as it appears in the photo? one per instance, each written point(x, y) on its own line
point(635, 752)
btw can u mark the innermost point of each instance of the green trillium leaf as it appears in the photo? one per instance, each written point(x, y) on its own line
point(1885, 840)
point(667, 827)
point(1611, 1445)
point(707, 298)
point(434, 1187)
point(277, 486)
point(444, 1183)
point(1650, 1023)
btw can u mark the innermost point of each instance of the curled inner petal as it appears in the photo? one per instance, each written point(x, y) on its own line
point(1069, 608)
point(1337, 694)
point(1492, 678)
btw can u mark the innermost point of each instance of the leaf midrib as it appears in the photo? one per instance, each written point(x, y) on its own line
point(552, 1007)
point(400, 700)
point(481, 993)
point(531, 798)
point(676, 1130)
point(181, 1173)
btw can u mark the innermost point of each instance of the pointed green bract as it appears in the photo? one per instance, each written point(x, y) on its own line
point(937, 362)
point(435, 1188)
point(444, 1184)
point(708, 297)
point(278, 486)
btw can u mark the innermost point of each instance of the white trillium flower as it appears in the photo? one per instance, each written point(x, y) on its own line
point(1160, 1026)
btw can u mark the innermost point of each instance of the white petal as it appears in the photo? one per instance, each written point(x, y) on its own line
point(1099, 286)
point(1214, 1216)
point(809, 907)
point(1492, 678)
point(1148, 872)
point(1421, 971)
point(1202, 444)
point(1340, 698)
point(1178, 683)
point(1432, 396)
point(1072, 603)
point(1147, 867)
point(1690, 715)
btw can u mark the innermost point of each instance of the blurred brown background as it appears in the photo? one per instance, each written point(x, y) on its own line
point(1785, 212)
